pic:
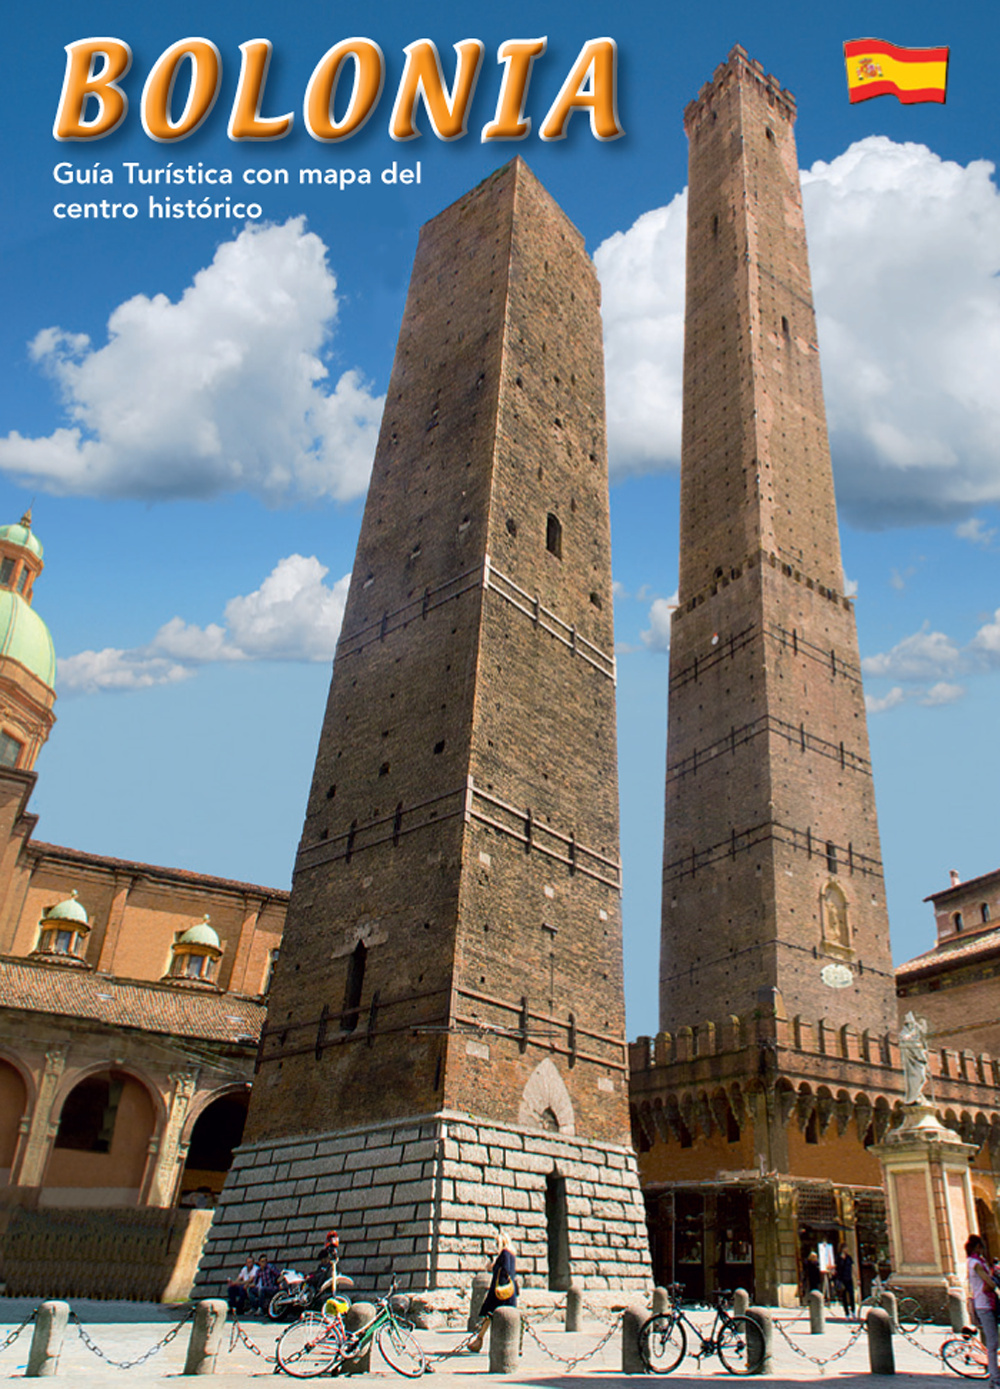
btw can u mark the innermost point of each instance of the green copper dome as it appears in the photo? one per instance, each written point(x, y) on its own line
point(68, 910)
point(24, 637)
point(202, 934)
point(22, 534)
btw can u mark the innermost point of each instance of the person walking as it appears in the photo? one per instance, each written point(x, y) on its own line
point(983, 1301)
point(845, 1280)
point(502, 1291)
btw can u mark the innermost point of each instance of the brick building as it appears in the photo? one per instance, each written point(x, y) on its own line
point(131, 1001)
point(954, 984)
point(777, 1065)
point(445, 1043)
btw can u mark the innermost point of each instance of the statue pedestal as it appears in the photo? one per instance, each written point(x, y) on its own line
point(931, 1209)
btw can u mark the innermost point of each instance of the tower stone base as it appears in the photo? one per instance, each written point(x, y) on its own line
point(423, 1198)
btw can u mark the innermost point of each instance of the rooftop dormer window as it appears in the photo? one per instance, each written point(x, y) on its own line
point(63, 931)
point(196, 953)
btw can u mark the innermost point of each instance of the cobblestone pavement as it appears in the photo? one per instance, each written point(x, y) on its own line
point(124, 1331)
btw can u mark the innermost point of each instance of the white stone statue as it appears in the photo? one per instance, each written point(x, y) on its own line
point(913, 1054)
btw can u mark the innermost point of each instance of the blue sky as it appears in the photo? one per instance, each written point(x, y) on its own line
point(194, 602)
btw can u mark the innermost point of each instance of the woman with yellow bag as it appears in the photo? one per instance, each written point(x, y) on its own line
point(502, 1291)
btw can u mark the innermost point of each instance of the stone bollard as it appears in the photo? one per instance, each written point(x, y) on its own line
point(505, 1341)
point(878, 1324)
point(762, 1316)
point(817, 1313)
point(662, 1302)
point(47, 1339)
point(956, 1309)
point(741, 1301)
point(356, 1318)
point(480, 1287)
point(889, 1303)
point(574, 1307)
point(633, 1319)
point(206, 1337)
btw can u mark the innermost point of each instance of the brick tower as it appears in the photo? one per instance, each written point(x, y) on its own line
point(445, 1046)
point(775, 973)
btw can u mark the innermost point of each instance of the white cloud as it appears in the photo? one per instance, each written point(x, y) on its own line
point(925, 655)
point(985, 645)
point(657, 635)
point(905, 254)
point(892, 700)
point(225, 390)
point(976, 532)
point(293, 616)
point(942, 693)
point(642, 293)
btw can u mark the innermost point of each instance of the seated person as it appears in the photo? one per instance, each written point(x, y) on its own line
point(238, 1289)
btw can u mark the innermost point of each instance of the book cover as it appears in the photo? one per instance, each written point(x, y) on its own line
point(199, 315)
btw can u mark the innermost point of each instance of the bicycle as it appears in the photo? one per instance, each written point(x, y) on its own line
point(965, 1355)
point(908, 1311)
point(319, 1344)
point(737, 1341)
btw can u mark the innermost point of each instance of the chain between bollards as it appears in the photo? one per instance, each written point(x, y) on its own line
point(12, 1336)
point(821, 1362)
point(92, 1345)
point(571, 1361)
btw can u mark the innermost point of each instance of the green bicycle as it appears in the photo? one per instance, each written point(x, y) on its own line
point(320, 1344)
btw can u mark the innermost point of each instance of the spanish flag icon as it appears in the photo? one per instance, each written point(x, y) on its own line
point(877, 68)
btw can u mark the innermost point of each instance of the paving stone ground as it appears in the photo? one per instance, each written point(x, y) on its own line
point(124, 1331)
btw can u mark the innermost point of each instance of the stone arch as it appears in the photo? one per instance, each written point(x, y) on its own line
point(101, 1146)
point(210, 1135)
point(15, 1103)
point(545, 1094)
point(72, 1077)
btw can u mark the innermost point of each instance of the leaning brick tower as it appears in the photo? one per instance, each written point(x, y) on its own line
point(772, 879)
point(776, 1066)
point(445, 1050)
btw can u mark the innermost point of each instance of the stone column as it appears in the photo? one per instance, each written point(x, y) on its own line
point(931, 1207)
point(41, 1128)
point(164, 1169)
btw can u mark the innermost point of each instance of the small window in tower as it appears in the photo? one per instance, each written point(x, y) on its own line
point(553, 535)
point(22, 578)
point(831, 857)
point(785, 328)
point(957, 921)
point(769, 133)
point(353, 988)
point(715, 225)
point(10, 750)
point(984, 911)
point(6, 571)
point(595, 598)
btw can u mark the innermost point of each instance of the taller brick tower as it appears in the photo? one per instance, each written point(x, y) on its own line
point(775, 1068)
point(772, 870)
point(445, 1043)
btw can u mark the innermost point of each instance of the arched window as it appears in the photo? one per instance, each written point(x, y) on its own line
point(354, 986)
point(836, 926)
point(984, 911)
point(553, 535)
point(957, 921)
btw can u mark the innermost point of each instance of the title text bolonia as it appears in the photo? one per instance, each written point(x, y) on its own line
point(93, 103)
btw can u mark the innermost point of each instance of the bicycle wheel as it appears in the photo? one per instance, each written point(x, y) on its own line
point(965, 1357)
point(400, 1348)
point(309, 1347)
point(908, 1314)
point(741, 1346)
point(662, 1343)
